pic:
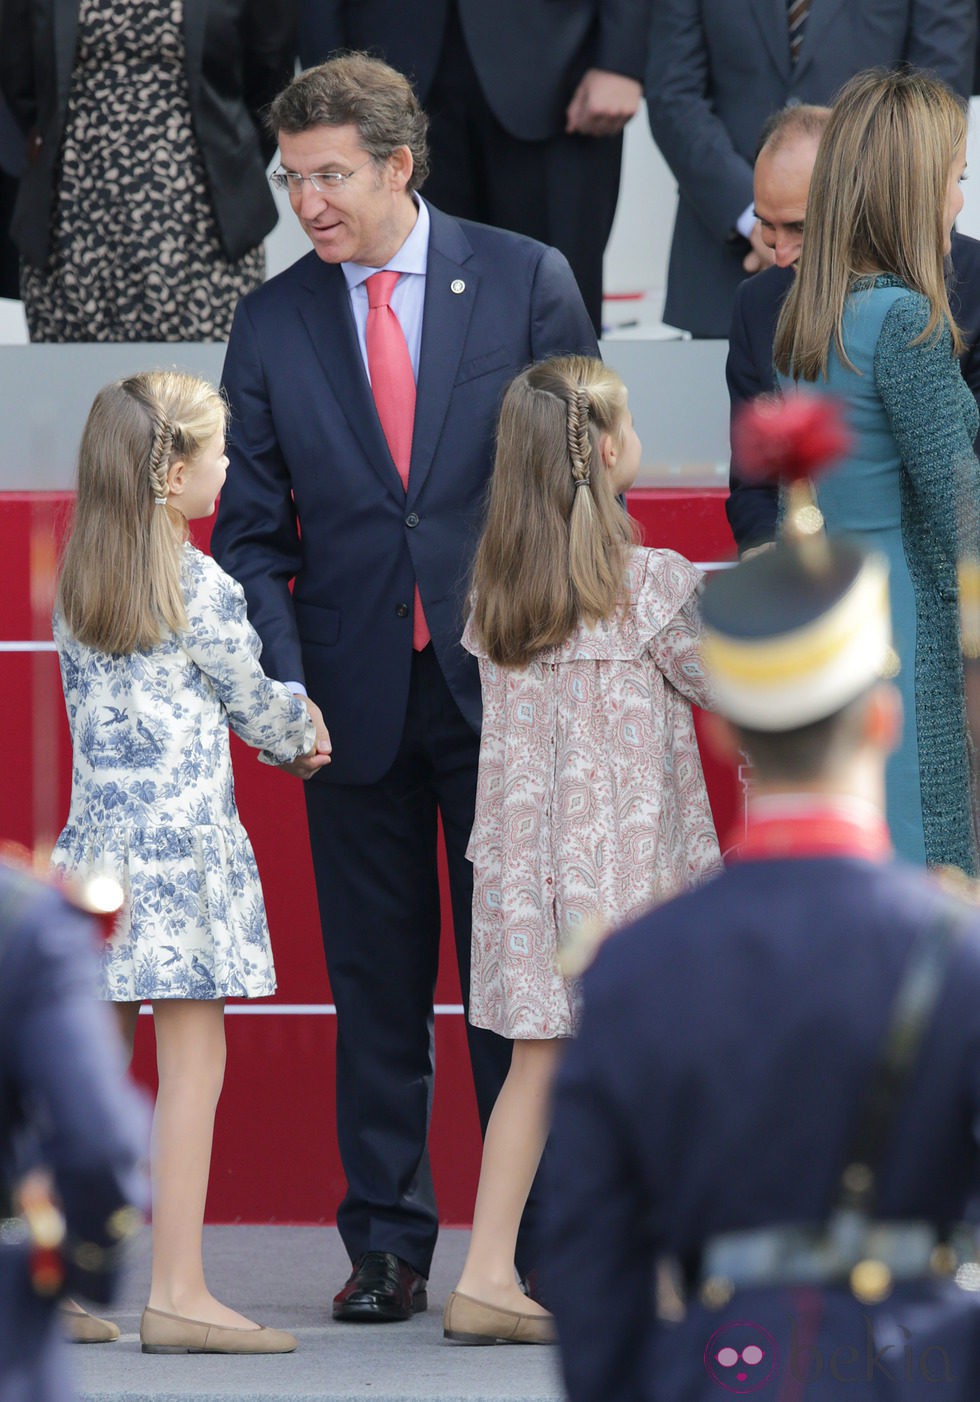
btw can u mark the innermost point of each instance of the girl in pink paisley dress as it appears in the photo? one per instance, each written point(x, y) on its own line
point(591, 803)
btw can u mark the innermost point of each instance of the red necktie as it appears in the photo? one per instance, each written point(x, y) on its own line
point(393, 387)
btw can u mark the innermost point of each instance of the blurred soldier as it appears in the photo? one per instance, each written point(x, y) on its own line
point(776, 1085)
point(71, 1132)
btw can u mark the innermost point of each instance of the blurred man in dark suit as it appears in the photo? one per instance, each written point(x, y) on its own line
point(718, 68)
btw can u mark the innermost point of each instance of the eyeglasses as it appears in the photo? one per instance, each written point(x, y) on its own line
point(322, 181)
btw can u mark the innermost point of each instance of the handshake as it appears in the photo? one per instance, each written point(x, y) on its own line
point(305, 766)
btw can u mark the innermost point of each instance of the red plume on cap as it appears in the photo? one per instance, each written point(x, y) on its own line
point(786, 437)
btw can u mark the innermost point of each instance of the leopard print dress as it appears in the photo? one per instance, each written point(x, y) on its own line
point(136, 254)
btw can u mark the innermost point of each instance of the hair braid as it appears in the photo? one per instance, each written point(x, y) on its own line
point(129, 597)
point(579, 441)
point(159, 461)
point(551, 556)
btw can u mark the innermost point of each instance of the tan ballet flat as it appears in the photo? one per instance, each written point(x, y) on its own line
point(468, 1321)
point(80, 1327)
point(171, 1333)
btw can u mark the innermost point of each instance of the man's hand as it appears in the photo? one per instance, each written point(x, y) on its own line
point(305, 766)
point(756, 550)
point(760, 255)
point(602, 103)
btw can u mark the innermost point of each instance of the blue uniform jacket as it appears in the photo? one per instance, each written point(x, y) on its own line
point(64, 1104)
point(725, 1049)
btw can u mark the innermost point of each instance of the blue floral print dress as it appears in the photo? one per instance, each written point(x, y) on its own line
point(153, 800)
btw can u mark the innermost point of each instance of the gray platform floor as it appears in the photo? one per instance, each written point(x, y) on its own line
point(287, 1277)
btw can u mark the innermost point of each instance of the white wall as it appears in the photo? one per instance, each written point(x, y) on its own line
point(636, 256)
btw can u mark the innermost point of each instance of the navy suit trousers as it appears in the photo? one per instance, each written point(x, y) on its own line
point(374, 853)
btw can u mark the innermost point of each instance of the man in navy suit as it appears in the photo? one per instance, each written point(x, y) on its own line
point(781, 180)
point(527, 101)
point(772, 1106)
point(315, 497)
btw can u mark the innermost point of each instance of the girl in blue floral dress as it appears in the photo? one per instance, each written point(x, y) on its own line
point(157, 660)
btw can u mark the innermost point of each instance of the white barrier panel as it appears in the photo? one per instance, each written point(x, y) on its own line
point(677, 395)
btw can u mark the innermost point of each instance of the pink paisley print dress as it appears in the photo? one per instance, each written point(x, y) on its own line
point(591, 802)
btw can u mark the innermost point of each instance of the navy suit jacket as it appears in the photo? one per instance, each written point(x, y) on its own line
point(529, 54)
point(312, 494)
point(716, 1082)
point(719, 68)
point(752, 508)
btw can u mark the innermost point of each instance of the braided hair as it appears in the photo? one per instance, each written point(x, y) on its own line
point(120, 587)
point(579, 442)
point(160, 458)
point(553, 551)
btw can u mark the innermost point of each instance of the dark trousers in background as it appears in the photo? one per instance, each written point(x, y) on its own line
point(9, 261)
point(374, 854)
point(562, 191)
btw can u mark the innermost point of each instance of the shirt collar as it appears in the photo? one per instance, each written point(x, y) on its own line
point(412, 257)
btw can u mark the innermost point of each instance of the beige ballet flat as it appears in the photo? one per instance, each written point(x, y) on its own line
point(468, 1321)
point(80, 1327)
point(171, 1333)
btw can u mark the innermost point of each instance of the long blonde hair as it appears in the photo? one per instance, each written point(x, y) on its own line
point(877, 204)
point(554, 544)
point(120, 587)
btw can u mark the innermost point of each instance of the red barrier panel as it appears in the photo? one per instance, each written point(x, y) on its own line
point(275, 1155)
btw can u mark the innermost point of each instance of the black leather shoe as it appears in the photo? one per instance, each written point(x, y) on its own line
point(381, 1289)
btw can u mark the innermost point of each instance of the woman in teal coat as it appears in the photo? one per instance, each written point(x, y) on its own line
point(868, 321)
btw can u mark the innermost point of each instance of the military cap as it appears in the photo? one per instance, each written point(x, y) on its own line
point(793, 634)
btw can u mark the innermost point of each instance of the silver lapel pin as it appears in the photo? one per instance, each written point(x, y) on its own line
point(457, 285)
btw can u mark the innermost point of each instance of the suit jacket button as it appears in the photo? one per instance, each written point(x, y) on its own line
point(411, 519)
point(402, 610)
